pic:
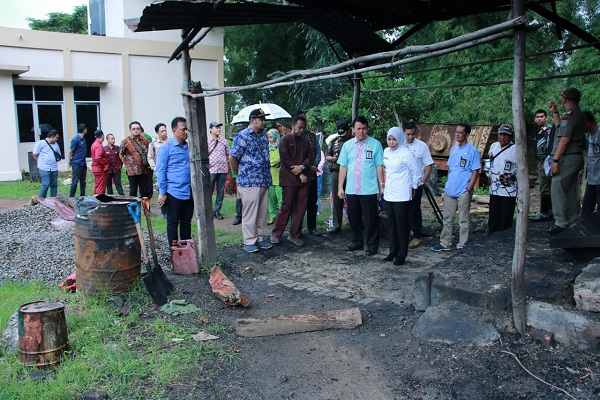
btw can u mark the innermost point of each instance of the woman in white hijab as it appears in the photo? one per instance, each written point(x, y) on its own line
point(402, 177)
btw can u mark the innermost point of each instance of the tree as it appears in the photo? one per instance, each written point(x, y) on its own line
point(76, 22)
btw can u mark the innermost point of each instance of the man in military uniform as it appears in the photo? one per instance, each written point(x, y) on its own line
point(591, 198)
point(567, 159)
point(544, 137)
point(333, 151)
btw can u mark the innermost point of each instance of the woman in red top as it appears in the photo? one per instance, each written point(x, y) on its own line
point(99, 163)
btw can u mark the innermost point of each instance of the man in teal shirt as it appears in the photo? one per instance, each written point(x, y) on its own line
point(361, 164)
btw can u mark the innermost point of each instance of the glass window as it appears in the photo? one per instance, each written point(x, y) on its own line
point(25, 121)
point(23, 92)
point(89, 114)
point(50, 116)
point(48, 93)
point(83, 93)
point(97, 18)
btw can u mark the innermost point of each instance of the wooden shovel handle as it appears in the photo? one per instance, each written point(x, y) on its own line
point(146, 206)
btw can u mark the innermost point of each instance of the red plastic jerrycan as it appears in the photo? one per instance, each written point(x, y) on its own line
point(184, 257)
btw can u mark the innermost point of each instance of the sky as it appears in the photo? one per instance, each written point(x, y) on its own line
point(13, 13)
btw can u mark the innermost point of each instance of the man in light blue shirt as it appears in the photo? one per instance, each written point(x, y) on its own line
point(464, 165)
point(173, 179)
point(361, 164)
point(47, 153)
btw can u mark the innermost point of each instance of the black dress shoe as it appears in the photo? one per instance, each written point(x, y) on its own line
point(237, 221)
point(555, 230)
point(218, 216)
point(314, 232)
point(331, 231)
point(399, 261)
point(370, 253)
point(389, 257)
point(354, 247)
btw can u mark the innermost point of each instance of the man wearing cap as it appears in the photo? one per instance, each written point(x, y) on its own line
point(99, 163)
point(296, 158)
point(218, 152)
point(567, 159)
point(333, 152)
point(77, 161)
point(249, 158)
point(591, 198)
point(544, 142)
point(361, 162)
point(503, 180)
point(464, 164)
point(47, 154)
point(423, 156)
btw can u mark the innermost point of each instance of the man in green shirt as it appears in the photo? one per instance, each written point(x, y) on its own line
point(567, 159)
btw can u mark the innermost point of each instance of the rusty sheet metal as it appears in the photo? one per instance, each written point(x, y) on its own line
point(65, 211)
point(440, 139)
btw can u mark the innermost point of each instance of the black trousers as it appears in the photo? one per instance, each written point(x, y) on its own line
point(140, 181)
point(338, 204)
point(416, 216)
point(311, 206)
point(364, 220)
point(502, 211)
point(179, 215)
point(116, 178)
point(398, 227)
point(591, 199)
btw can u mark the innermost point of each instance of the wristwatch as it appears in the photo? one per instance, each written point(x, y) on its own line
point(555, 160)
point(303, 168)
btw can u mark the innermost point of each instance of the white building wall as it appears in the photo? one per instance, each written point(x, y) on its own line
point(10, 170)
point(42, 63)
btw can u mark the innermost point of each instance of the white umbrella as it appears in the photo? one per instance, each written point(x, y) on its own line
point(269, 108)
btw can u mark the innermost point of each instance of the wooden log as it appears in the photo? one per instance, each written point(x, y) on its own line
point(225, 290)
point(284, 324)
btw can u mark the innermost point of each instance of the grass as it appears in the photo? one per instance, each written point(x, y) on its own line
point(127, 357)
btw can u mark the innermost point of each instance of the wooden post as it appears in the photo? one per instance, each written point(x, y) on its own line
point(195, 113)
point(356, 97)
point(518, 264)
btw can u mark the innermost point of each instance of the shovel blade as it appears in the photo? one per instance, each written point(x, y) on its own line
point(155, 288)
point(160, 277)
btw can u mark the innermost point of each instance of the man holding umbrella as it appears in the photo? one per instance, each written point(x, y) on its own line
point(249, 158)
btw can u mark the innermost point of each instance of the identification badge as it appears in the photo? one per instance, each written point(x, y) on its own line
point(508, 165)
point(369, 154)
point(463, 162)
point(596, 148)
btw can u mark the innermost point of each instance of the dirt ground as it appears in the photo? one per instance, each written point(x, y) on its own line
point(380, 359)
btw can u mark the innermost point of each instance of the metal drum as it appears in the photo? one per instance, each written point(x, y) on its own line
point(107, 248)
point(42, 333)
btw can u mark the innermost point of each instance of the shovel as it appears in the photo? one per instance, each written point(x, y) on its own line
point(154, 285)
point(156, 270)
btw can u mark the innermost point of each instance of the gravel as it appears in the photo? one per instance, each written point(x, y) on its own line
point(34, 249)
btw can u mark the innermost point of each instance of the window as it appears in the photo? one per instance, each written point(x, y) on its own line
point(97, 17)
point(39, 110)
point(87, 111)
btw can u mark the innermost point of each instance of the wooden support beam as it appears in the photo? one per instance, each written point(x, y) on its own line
point(563, 23)
point(282, 325)
point(519, 299)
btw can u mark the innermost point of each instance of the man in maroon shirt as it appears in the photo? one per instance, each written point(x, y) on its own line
point(296, 158)
point(114, 166)
point(99, 163)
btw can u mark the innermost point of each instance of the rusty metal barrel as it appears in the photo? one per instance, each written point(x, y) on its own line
point(107, 248)
point(42, 333)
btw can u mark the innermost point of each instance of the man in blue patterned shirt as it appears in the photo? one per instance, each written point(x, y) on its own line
point(249, 158)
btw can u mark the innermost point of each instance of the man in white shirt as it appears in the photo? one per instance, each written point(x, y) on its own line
point(423, 156)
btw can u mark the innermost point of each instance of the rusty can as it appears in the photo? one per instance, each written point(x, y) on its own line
point(107, 247)
point(42, 333)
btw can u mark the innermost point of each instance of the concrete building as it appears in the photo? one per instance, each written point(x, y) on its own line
point(56, 80)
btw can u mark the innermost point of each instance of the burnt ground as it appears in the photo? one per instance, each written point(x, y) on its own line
point(381, 359)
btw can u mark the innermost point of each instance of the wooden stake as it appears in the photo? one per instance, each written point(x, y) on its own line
point(518, 264)
point(282, 325)
point(198, 143)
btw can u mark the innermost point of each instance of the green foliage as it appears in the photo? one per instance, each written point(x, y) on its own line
point(63, 22)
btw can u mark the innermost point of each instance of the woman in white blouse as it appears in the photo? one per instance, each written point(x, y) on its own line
point(402, 177)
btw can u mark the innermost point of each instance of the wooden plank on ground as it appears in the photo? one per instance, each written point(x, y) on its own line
point(284, 324)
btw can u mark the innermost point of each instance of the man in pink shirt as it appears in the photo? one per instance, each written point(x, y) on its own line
point(99, 163)
point(218, 153)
